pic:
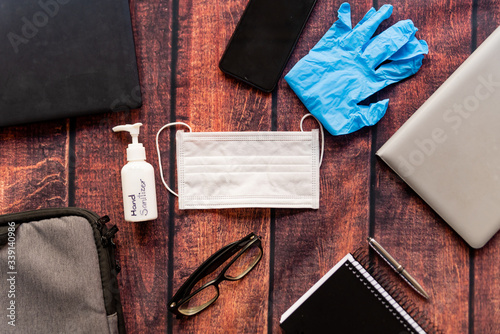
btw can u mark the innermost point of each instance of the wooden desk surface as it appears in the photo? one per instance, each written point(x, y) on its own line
point(77, 162)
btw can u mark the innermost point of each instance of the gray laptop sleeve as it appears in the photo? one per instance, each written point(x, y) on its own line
point(58, 273)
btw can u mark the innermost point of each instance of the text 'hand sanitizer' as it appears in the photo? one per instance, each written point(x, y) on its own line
point(138, 180)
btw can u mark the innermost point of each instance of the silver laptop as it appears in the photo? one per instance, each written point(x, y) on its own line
point(449, 150)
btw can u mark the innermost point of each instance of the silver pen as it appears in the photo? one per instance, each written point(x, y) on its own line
point(397, 267)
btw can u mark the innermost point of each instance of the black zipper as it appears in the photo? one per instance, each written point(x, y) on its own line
point(23, 217)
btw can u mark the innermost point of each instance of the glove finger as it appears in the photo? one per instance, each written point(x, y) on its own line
point(369, 115)
point(341, 123)
point(344, 15)
point(389, 42)
point(411, 49)
point(398, 70)
point(340, 28)
point(388, 74)
point(366, 17)
point(359, 36)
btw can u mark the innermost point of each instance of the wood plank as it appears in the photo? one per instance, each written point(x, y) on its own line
point(308, 243)
point(100, 155)
point(300, 244)
point(487, 287)
point(404, 224)
point(34, 166)
point(210, 101)
point(486, 301)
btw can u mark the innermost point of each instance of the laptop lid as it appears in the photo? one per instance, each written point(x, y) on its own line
point(449, 150)
point(65, 58)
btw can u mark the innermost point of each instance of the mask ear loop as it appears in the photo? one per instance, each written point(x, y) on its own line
point(159, 155)
point(322, 135)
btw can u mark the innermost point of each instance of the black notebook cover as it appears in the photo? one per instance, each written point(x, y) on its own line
point(348, 300)
point(65, 58)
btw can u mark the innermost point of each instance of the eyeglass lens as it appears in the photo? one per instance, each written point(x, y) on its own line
point(202, 299)
point(244, 263)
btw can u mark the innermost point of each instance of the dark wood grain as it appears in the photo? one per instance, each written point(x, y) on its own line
point(308, 243)
point(210, 101)
point(422, 241)
point(178, 45)
point(34, 166)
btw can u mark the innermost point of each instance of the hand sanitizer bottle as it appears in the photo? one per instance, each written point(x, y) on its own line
point(138, 180)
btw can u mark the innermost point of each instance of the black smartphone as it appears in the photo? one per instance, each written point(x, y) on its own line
point(264, 39)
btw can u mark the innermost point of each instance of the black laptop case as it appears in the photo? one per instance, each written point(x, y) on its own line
point(65, 58)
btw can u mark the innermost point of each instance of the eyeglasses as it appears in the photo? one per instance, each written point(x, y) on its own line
point(201, 289)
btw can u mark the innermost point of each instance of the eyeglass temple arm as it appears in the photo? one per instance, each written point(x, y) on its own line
point(215, 261)
point(219, 257)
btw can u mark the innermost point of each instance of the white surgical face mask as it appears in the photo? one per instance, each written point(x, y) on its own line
point(246, 169)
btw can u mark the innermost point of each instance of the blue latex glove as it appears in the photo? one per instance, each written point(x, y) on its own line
point(342, 69)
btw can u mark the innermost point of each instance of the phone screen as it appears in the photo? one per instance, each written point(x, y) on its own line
point(264, 39)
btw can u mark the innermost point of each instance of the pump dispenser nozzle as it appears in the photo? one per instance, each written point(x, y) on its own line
point(135, 150)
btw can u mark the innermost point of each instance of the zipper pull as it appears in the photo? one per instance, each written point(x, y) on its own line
point(118, 268)
point(107, 237)
point(101, 222)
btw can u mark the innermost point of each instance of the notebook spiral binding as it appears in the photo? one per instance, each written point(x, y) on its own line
point(362, 256)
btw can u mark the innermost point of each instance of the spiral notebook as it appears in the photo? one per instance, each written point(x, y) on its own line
point(348, 299)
